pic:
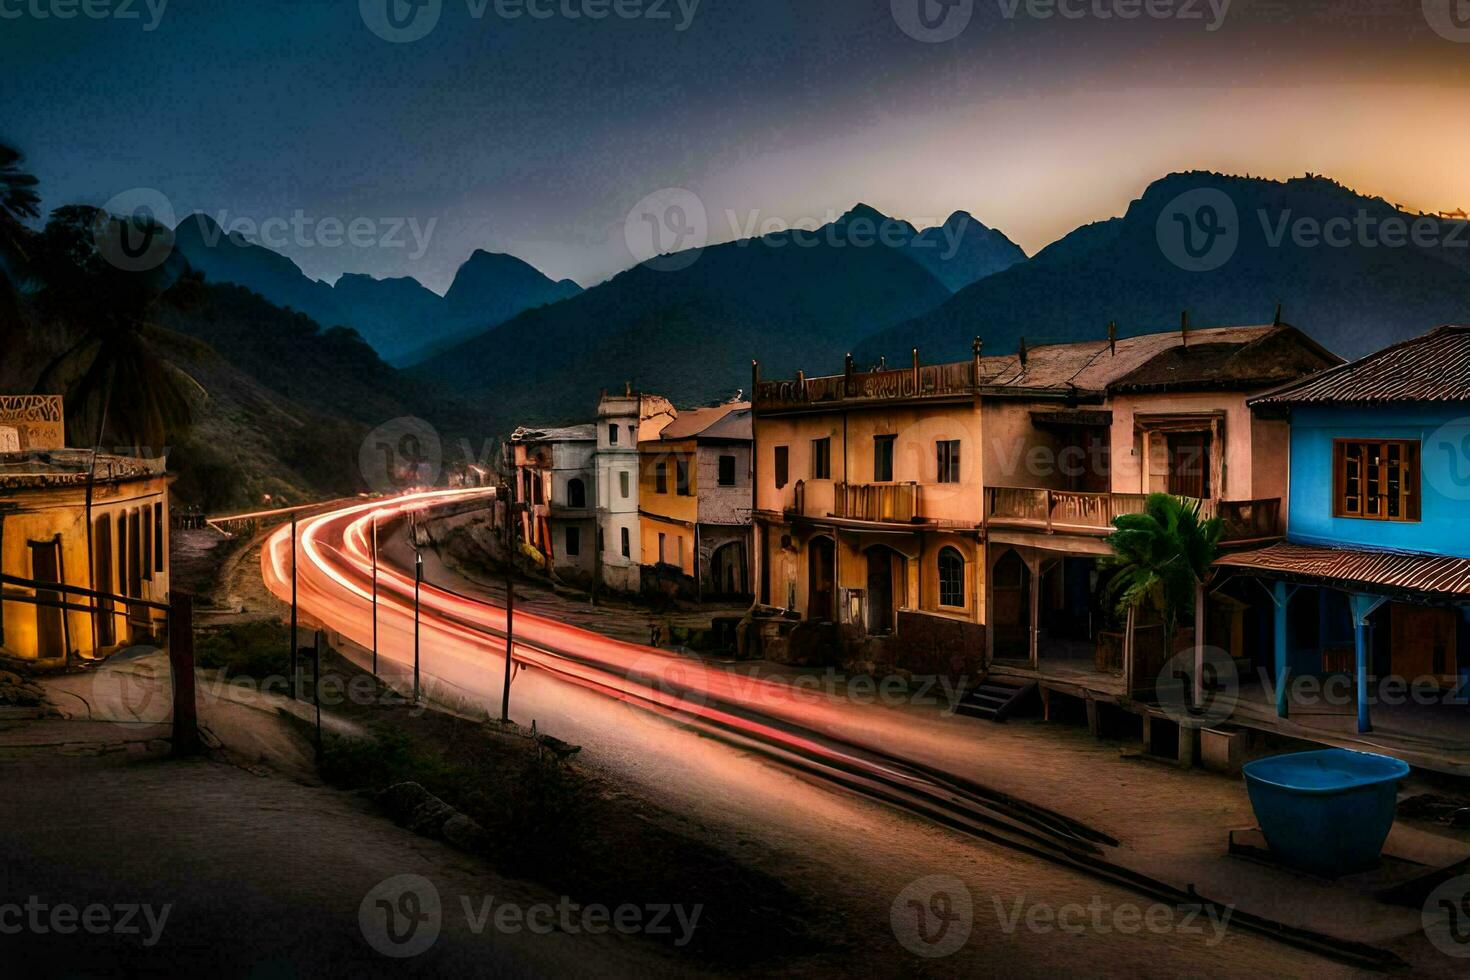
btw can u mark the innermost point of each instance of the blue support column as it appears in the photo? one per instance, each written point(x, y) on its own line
point(1280, 597)
point(1362, 607)
point(1360, 641)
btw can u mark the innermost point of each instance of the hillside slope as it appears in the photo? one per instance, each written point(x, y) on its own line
point(1353, 299)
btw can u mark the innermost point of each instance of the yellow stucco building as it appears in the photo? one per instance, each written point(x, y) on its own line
point(112, 538)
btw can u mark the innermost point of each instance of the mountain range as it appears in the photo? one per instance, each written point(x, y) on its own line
point(400, 318)
point(689, 329)
point(1356, 272)
point(519, 348)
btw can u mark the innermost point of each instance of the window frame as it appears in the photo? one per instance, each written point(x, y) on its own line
point(661, 476)
point(625, 540)
point(1410, 481)
point(947, 460)
point(781, 466)
point(683, 479)
point(822, 458)
point(958, 590)
point(883, 452)
point(612, 433)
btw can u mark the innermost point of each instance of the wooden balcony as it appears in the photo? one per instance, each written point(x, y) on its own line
point(1250, 520)
point(894, 503)
point(1094, 513)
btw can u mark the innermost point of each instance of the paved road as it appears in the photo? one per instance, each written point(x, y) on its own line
point(640, 712)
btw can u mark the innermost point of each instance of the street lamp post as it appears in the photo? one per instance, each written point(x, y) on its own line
point(375, 593)
point(510, 604)
point(295, 683)
point(418, 578)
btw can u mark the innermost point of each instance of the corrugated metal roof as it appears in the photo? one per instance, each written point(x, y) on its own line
point(1431, 368)
point(586, 432)
point(1432, 575)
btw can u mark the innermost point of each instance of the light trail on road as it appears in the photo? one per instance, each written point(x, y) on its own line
point(463, 641)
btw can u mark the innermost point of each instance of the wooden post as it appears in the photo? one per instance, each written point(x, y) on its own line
point(1199, 645)
point(186, 739)
point(316, 688)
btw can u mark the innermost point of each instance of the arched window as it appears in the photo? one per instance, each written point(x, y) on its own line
point(951, 578)
point(576, 493)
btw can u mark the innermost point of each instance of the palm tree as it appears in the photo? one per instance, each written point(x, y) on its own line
point(18, 202)
point(116, 384)
point(1162, 558)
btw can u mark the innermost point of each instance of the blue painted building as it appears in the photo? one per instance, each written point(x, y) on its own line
point(1372, 584)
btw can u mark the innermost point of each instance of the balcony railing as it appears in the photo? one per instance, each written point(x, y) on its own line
point(1250, 520)
point(1093, 513)
point(891, 502)
point(915, 381)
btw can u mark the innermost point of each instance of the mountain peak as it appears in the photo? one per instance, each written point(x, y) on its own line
point(863, 211)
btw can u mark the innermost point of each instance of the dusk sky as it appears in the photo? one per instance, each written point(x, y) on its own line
point(489, 127)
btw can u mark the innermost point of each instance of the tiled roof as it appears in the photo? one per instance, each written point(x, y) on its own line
point(1434, 575)
point(717, 422)
point(1213, 357)
point(1432, 368)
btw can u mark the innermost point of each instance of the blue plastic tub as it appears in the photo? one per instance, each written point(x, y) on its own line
point(1327, 812)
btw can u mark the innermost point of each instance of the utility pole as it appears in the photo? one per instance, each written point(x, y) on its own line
point(375, 593)
point(510, 603)
point(418, 579)
point(295, 681)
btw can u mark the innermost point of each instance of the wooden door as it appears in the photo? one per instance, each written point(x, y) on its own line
point(50, 628)
point(880, 590)
point(1189, 464)
point(820, 594)
point(1423, 643)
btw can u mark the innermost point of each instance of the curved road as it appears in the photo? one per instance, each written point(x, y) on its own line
point(574, 675)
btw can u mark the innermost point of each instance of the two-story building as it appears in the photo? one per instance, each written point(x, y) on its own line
point(957, 511)
point(1371, 586)
point(694, 502)
point(623, 421)
point(555, 484)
